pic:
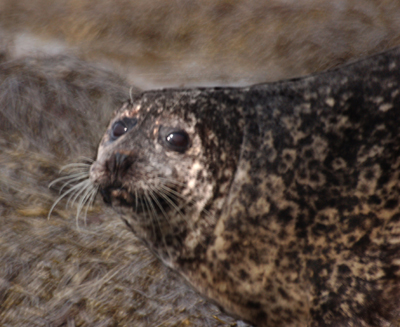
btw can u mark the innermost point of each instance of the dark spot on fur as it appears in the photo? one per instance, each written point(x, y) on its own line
point(385, 177)
point(254, 256)
point(234, 248)
point(343, 269)
point(362, 244)
point(374, 199)
point(199, 250)
point(253, 305)
point(391, 204)
point(285, 215)
point(226, 264)
point(243, 275)
point(283, 293)
point(395, 218)
point(261, 317)
point(251, 191)
point(314, 177)
point(309, 153)
point(209, 240)
point(321, 229)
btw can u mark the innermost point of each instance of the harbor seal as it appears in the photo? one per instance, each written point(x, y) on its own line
point(279, 202)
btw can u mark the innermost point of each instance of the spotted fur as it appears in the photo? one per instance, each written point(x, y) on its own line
point(288, 207)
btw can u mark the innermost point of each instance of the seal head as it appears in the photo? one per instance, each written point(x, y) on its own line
point(167, 169)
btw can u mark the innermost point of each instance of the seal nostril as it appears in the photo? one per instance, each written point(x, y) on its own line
point(106, 196)
point(120, 159)
point(110, 164)
point(119, 163)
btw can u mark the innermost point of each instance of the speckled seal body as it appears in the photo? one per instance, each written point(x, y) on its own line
point(281, 204)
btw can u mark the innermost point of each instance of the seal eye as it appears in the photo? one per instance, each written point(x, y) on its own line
point(178, 141)
point(118, 129)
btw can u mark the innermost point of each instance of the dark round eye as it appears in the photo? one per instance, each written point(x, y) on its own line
point(118, 129)
point(178, 141)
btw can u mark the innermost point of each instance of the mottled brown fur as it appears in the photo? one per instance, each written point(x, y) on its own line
point(280, 202)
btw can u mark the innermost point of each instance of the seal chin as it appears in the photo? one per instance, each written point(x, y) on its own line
point(118, 196)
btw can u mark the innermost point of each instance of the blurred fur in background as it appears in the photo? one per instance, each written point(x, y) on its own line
point(161, 43)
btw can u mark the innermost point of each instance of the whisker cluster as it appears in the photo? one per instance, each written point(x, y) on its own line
point(164, 204)
point(79, 188)
point(164, 189)
point(164, 195)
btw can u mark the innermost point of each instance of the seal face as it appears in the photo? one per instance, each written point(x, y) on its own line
point(279, 202)
point(167, 171)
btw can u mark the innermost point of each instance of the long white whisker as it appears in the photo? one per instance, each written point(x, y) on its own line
point(136, 200)
point(170, 202)
point(83, 200)
point(71, 179)
point(152, 209)
point(89, 160)
point(76, 165)
point(91, 199)
point(159, 205)
point(71, 190)
point(170, 193)
point(153, 194)
point(83, 191)
point(158, 222)
point(171, 181)
point(67, 177)
point(148, 210)
point(175, 195)
point(77, 194)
